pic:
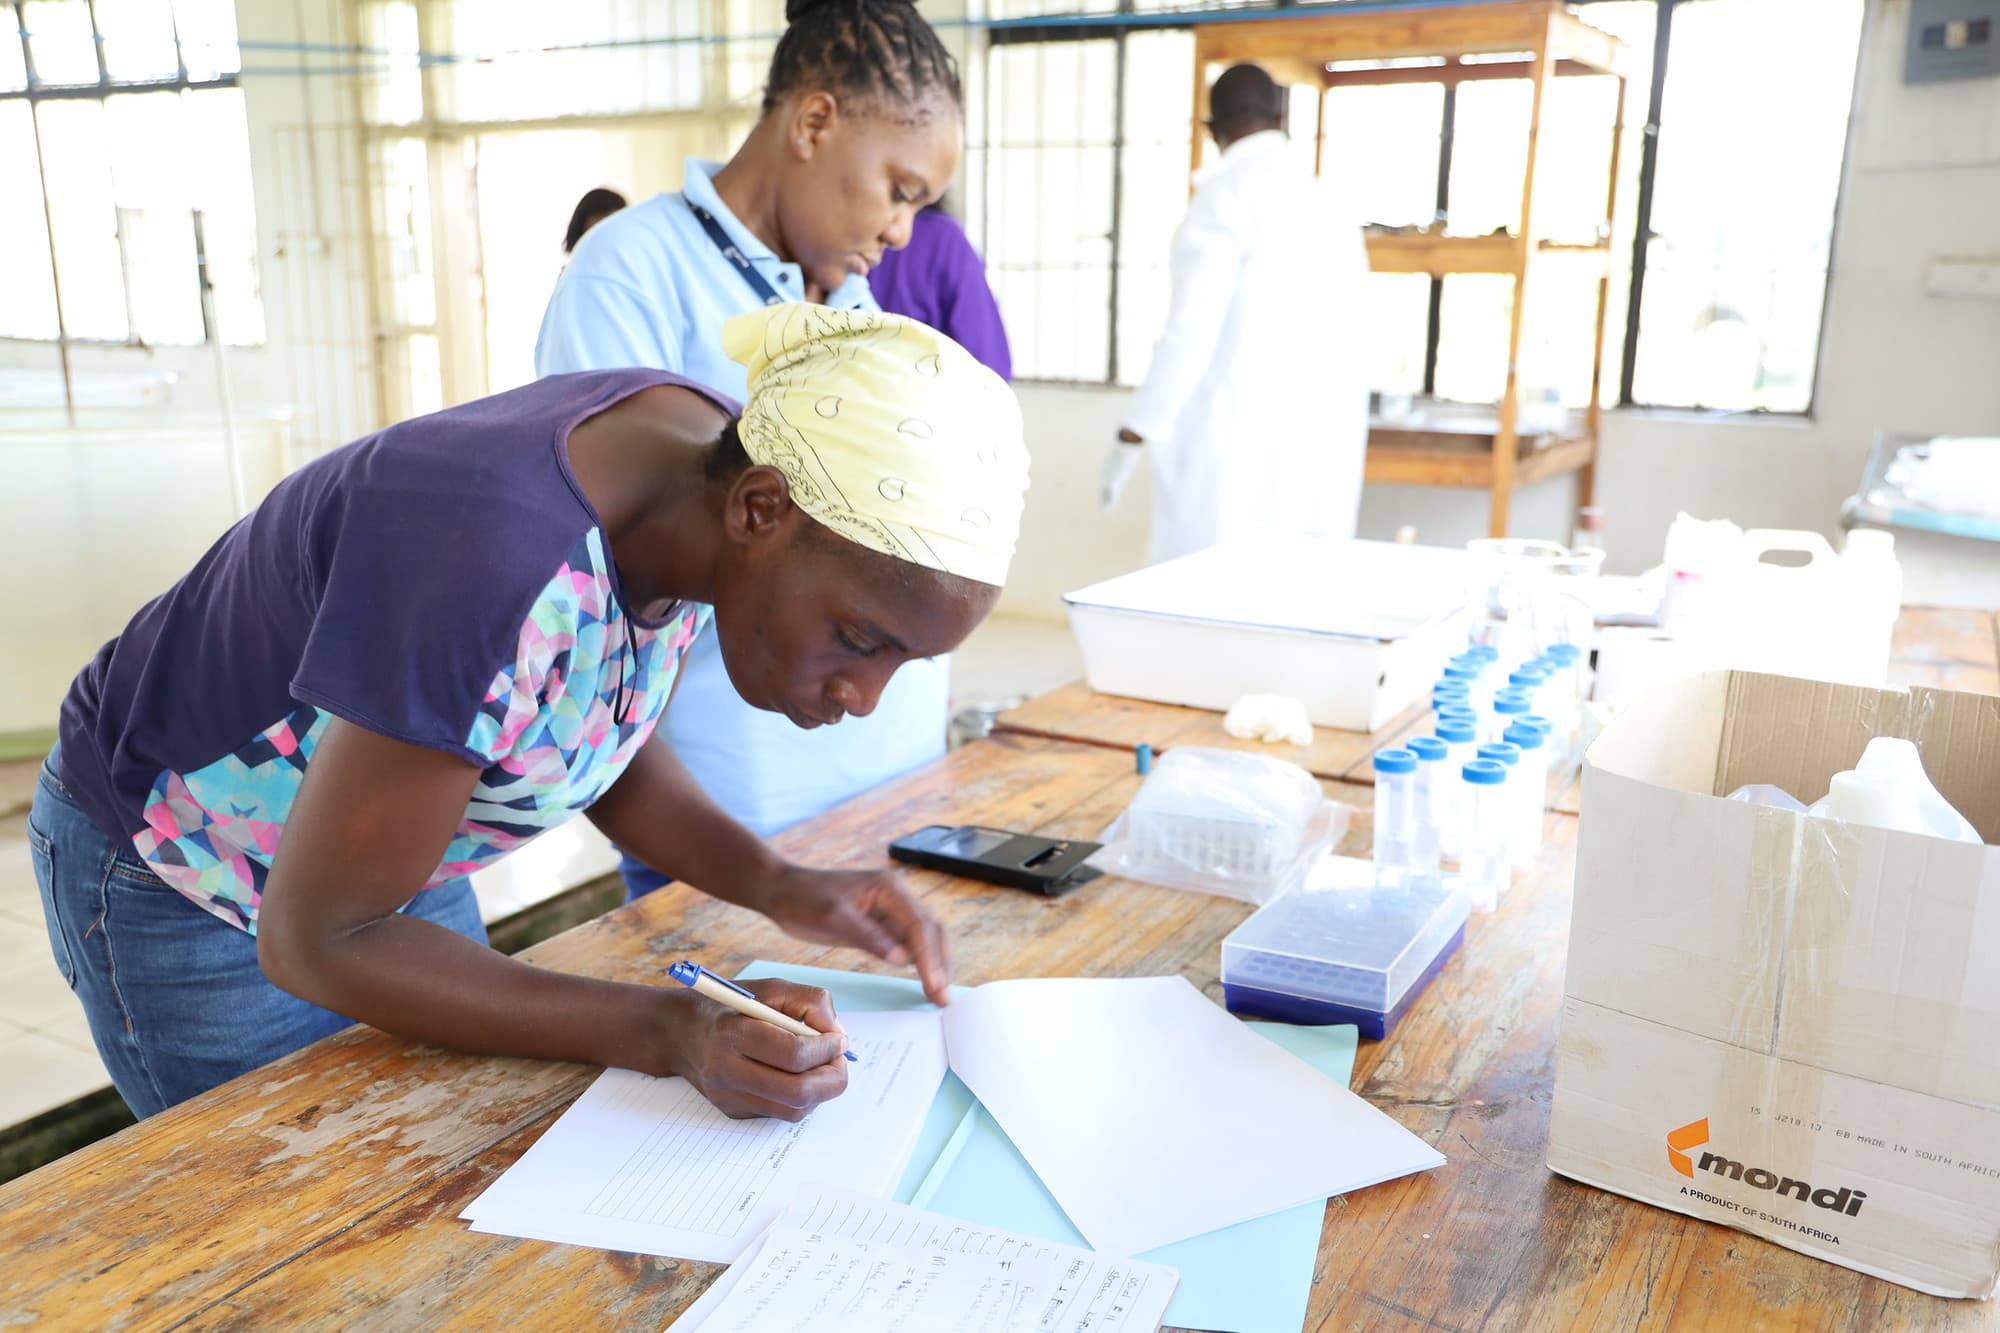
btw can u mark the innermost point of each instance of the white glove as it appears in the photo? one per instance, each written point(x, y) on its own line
point(1269, 718)
point(1119, 465)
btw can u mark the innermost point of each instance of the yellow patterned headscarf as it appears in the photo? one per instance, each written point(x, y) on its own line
point(889, 433)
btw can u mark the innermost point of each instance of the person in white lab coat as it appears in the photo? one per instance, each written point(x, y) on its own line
point(1255, 410)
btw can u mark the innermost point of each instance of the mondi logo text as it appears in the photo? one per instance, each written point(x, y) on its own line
point(1693, 1135)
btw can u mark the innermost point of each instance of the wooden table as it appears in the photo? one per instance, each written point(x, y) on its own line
point(323, 1191)
point(1075, 712)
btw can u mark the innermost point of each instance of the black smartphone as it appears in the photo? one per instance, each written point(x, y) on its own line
point(1016, 860)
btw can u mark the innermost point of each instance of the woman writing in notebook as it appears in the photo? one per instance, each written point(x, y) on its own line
point(427, 647)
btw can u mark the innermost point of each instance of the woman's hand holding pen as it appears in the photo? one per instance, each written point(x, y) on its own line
point(749, 1067)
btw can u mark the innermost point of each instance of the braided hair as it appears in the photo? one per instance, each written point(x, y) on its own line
point(879, 50)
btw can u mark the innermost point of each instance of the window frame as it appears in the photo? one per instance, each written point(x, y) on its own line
point(34, 92)
point(1116, 26)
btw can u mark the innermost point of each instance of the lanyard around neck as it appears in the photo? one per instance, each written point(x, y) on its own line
point(758, 283)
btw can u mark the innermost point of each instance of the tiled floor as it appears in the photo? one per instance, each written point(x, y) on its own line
point(46, 1058)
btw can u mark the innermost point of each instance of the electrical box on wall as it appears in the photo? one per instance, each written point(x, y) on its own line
point(1952, 39)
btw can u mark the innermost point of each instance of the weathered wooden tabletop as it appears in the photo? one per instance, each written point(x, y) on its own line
point(323, 1191)
point(1075, 712)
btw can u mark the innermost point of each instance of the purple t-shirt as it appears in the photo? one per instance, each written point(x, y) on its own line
point(444, 583)
point(938, 278)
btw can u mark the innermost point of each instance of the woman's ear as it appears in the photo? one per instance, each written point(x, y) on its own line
point(812, 116)
point(759, 507)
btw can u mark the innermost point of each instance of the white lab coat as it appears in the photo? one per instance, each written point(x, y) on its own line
point(1255, 410)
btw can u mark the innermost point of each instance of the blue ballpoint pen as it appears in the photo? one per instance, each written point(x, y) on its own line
point(724, 991)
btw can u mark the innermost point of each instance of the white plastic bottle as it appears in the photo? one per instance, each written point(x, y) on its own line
point(1460, 740)
point(1530, 779)
point(1568, 686)
point(1868, 559)
point(1501, 752)
point(1434, 794)
point(1483, 868)
point(1396, 817)
point(1889, 789)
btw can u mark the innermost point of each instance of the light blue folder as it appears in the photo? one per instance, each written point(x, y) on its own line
point(1255, 1277)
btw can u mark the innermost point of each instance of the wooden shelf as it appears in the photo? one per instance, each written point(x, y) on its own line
point(1452, 456)
point(1439, 255)
point(1534, 40)
point(1507, 27)
point(1443, 255)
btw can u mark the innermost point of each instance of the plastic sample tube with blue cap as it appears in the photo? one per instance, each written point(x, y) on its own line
point(1509, 707)
point(1459, 737)
point(1396, 816)
point(1433, 792)
point(1531, 781)
point(726, 992)
point(1483, 867)
point(1504, 752)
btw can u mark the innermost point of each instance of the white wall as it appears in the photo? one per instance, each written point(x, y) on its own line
point(1923, 182)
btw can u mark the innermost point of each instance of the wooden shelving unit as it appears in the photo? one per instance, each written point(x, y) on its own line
point(1537, 40)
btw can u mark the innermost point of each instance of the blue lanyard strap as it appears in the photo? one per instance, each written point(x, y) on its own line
point(758, 284)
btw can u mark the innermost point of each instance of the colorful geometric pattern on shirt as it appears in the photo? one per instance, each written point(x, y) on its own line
point(549, 727)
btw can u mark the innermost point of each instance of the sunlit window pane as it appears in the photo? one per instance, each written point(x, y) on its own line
point(138, 39)
point(60, 41)
point(152, 172)
point(405, 222)
point(78, 161)
point(1743, 203)
point(13, 66)
point(29, 310)
point(394, 82)
point(521, 59)
point(221, 188)
point(1381, 150)
point(1396, 314)
point(1048, 206)
point(208, 36)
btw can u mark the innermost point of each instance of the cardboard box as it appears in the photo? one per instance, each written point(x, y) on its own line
point(1357, 630)
point(1784, 1024)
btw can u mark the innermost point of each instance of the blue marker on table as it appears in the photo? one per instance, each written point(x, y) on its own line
point(724, 991)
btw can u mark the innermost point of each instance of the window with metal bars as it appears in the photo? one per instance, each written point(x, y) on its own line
point(1725, 239)
point(125, 149)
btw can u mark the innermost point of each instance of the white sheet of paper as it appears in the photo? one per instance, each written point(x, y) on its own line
point(809, 1282)
point(1152, 1115)
point(1052, 1288)
point(648, 1165)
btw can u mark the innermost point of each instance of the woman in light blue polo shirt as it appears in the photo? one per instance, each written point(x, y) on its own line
point(861, 128)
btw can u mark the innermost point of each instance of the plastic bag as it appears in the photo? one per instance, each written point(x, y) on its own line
point(1244, 826)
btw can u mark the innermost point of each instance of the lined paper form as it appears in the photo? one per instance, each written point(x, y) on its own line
point(649, 1165)
point(838, 1260)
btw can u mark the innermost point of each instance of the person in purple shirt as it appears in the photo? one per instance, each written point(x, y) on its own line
point(938, 279)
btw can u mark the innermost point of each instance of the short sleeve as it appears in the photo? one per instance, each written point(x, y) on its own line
point(597, 322)
point(415, 610)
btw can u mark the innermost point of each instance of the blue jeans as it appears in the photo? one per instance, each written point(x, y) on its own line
point(640, 878)
point(176, 1001)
